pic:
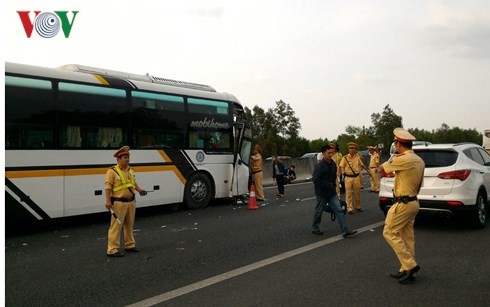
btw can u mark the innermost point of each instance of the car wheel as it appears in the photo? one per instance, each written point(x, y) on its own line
point(198, 191)
point(478, 217)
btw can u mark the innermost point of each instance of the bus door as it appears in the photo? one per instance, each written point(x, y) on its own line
point(241, 169)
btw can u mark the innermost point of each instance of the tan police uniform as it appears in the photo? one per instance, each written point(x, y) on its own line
point(257, 175)
point(398, 230)
point(337, 157)
point(373, 169)
point(360, 175)
point(351, 166)
point(124, 205)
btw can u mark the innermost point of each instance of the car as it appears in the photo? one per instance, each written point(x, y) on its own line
point(280, 157)
point(414, 143)
point(309, 155)
point(365, 156)
point(456, 182)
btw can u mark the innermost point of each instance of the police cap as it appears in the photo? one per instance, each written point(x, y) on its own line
point(403, 136)
point(123, 151)
point(352, 145)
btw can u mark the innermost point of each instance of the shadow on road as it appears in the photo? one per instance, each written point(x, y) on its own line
point(437, 223)
point(31, 227)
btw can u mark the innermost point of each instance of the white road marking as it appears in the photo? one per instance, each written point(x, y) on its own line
point(308, 198)
point(245, 269)
point(274, 186)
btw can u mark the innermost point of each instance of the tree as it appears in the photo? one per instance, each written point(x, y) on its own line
point(316, 145)
point(445, 134)
point(297, 146)
point(422, 135)
point(353, 131)
point(276, 130)
point(285, 120)
point(343, 140)
point(288, 125)
point(260, 121)
point(384, 124)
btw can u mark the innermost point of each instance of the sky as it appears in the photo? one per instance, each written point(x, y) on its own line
point(335, 62)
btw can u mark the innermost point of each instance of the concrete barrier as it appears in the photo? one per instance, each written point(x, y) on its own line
point(303, 168)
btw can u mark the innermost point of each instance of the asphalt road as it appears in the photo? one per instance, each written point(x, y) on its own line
point(226, 255)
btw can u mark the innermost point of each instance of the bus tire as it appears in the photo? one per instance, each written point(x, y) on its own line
point(198, 191)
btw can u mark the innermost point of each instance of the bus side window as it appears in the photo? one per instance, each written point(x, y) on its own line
point(205, 106)
point(73, 136)
point(157, 120)
point(29, 113)
point(158, 138)
point(108, 137)
point(195, 141)
point(205, 139)
point(145, 140)
point(92, 116)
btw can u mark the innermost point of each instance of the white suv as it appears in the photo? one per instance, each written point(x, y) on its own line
point(415, 143)
point(456, 182)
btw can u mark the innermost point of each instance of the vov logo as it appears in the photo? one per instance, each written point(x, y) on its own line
point(47, 24)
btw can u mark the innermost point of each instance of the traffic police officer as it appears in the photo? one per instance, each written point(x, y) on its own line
point(350, 166)
point(257, 175)
point(337, 157)
point(398, 230)
point(373, 168)
point(119, 186)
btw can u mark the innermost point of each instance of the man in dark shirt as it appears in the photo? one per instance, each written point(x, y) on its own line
point(324, 179)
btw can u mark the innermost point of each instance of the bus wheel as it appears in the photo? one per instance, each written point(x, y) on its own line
point(197, 192)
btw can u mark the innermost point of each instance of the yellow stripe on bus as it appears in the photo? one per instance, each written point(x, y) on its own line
point(89, 171)
point(165, 168)
point(167, 159)
point(38, 173)
point(85, 171)
point(101, 79)
point(164, 155)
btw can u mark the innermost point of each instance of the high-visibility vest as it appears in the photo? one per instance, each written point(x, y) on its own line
point(338, 158)
point(124, 184)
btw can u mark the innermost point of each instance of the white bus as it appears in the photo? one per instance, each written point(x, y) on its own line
point(189, 144)
point(486, 140)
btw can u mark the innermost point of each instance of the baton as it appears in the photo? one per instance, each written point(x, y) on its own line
point(115, 216)
point(145, 192)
